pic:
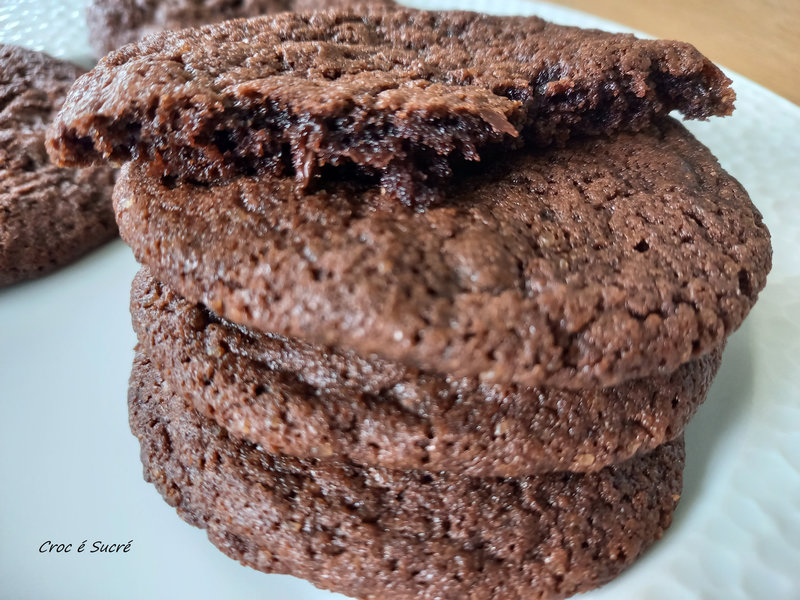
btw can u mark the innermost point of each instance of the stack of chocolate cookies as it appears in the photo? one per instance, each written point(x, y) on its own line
point(427, 298)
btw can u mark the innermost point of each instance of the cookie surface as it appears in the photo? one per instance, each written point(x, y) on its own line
point(49, 216)
point(114, 23)
point(376, 533)
point(606, 261)
point(296, 399)
point(403, 95)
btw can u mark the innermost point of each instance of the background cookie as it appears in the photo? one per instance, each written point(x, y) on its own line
point(49, 216)
point(404, 95)
point(586, 266)
point(377, 533)
point(114, 23)
point(293, 398)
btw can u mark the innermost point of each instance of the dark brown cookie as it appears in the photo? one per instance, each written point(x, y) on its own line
point(49, 216)
point(377, 533)
point(404, 95)
point(606, 261)
point(114, 23)
point(296, 399)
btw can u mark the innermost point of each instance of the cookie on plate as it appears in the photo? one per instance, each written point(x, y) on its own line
point(49, 216)
point(293, 398)
point(401, 95)
point(374, 533)
point(608, 260)
point(114, 23)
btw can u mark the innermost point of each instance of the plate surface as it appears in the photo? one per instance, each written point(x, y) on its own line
point(70, 470)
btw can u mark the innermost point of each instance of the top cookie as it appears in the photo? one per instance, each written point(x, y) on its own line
point(404, 95)
point(585, 266)
point(49, 216)
point(114, 23)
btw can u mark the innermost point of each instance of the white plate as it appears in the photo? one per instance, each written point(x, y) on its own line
point(69, 466)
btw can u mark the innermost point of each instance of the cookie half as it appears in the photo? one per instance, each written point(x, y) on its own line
point(377, 533)
point(404, 95)
point(609, 260)
point(49, 216)
point(300, 400)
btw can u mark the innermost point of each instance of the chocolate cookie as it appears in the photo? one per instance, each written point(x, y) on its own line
point(402, 94)
point(293, 398)
point(49, 216)
point(608, 260)
point(114, 23)
point(377, 533)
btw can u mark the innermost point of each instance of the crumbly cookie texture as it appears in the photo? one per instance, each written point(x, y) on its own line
point(609, 260)
point(377, 533)
point(293, 398)
point(401, 96)
point(49, 216)
point(114, 23)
